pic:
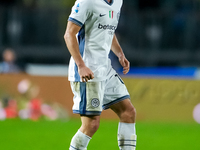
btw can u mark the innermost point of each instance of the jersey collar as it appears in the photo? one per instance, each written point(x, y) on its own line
point(108, 2)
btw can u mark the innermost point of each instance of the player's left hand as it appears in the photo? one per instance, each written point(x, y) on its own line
point(125, 64)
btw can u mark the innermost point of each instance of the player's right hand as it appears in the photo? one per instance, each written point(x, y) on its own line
point(85, 73)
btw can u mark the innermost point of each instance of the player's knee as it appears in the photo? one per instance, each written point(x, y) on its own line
point(129, 115)
point(90, 125)
point(94, 126)
point(133, 113)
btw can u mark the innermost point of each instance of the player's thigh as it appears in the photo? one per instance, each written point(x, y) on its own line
point(117, 98)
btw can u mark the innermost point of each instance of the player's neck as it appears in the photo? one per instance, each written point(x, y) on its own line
point(109, 1)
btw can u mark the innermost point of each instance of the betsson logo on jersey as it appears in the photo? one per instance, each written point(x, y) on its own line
point(105, 27)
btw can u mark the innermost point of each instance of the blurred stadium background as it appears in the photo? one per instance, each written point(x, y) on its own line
point(161, 39)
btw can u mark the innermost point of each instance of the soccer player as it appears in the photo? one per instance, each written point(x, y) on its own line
point(89, 36)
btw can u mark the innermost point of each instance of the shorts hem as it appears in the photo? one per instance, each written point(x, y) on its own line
point(107, 106)
point(87, 113)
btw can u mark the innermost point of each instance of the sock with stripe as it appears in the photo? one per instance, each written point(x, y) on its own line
point(79, 141)
point(126, 136)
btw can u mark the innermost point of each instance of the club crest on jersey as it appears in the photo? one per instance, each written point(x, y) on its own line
point(95, 102)
point(77, 8)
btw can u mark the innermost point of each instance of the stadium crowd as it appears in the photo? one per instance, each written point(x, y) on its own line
point(28, 105)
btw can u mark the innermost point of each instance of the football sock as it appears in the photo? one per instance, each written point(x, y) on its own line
point(126, 136)
point(79, 141)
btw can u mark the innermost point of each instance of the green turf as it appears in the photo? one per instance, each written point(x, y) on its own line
point(45, 135)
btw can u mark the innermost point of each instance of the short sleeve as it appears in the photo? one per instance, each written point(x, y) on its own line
point(80, 12)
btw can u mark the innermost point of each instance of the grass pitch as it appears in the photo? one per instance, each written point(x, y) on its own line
point(56, 135)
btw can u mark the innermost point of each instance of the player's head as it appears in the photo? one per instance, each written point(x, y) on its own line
point(9, 55)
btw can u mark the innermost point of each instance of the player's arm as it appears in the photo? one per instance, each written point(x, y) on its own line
point(72, 44)
point(116, 48)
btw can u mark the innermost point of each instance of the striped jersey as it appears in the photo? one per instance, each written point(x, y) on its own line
point(98, 20)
